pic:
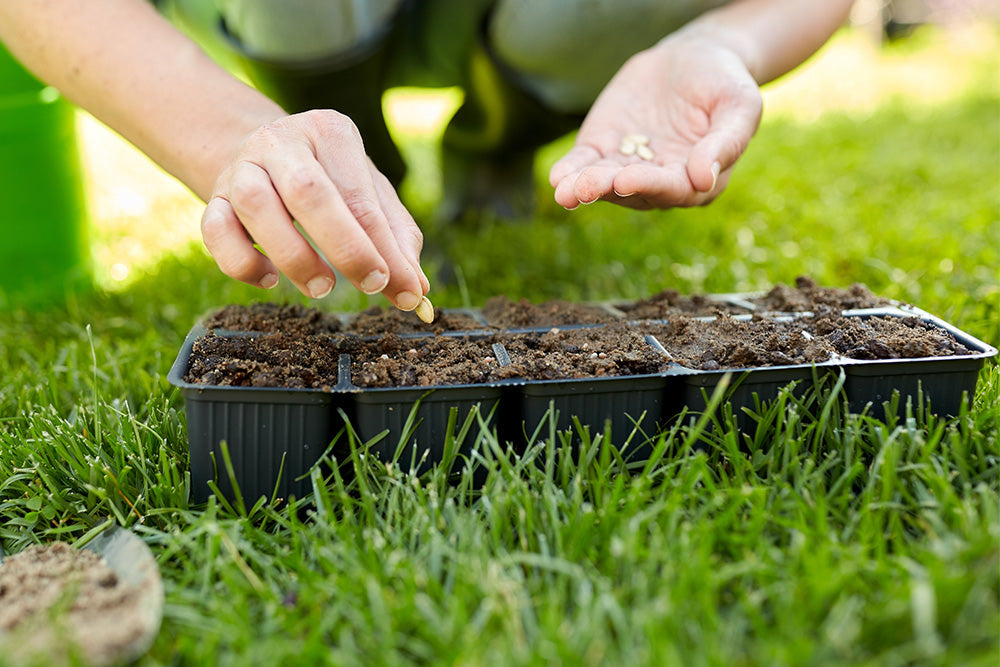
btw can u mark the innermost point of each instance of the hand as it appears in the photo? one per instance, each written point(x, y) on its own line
point(699, 106)
point(311, 169)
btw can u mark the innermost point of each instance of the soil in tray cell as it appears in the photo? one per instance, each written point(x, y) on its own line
point(728, 343)
point(272, 317)
point(671, 302)
point(871, 338)
point(391, 361)
point(289, 360)
point(377, 321)
point(808, 296)
point(503, 313)
point(614, 350)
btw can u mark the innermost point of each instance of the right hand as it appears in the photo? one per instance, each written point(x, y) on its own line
point(311, 168)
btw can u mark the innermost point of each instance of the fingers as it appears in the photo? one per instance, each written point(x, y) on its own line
point(234, 252)
point(733, 123)
point(574, 161)
point(306, 193)
point(260, 209)
point(403, 227)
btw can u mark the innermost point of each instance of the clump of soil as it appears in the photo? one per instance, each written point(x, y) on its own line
point(499, 311)
point(887, 338)
point(671, 302)
point(808, 296)
point(271, 317)
point(725, 342)
point(377, 321)
point(56, 602)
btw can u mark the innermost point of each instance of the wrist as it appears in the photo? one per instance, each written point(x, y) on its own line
point(707, 33)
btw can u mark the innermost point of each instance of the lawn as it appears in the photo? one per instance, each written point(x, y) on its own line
point(831, 540)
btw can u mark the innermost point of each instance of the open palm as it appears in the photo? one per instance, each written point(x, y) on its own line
point(698, 105)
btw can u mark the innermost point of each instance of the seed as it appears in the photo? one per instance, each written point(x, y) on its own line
point(425, 310)
point(645, 152)
point(627, 147)
point(637, 139)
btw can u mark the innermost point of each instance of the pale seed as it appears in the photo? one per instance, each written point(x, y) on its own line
point(637, 139)
point(645, 152)
point(425, 310)
point(627, 147)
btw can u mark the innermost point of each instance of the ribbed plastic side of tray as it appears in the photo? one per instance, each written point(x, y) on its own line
point(637, 403)
point(420, 438)
point(745, 388)
point(273, 436)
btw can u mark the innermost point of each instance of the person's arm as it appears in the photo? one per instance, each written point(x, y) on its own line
point(696, 95)
point(771, 37)
point(257, 167)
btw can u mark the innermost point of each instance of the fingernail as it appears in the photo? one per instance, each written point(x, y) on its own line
point(407, 300)
point(591, 201)
point(319, 286)
point(623, 194)
point(716, 168)
point(374, 282)
point(269, 281)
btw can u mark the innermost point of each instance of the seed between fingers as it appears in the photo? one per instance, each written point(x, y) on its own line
point(425, 310)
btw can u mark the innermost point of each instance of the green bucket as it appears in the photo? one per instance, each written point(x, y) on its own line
point(44, 253)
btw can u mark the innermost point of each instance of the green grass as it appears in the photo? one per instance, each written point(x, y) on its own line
point(824, 539)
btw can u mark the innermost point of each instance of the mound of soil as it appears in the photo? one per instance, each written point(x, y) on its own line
point(271, 317)
point(503, 313)
point(671, 302)
point(57, 602)
point(729, 343)
point(376, 321)
point(887, 338)
point(808, 296)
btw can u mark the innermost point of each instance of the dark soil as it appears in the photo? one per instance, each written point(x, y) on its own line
point(556, 354)
point(808, 296)
point(291, 360)
point(305, 348)
point(503, 313)
point(271, 317)
point(294, 361)
point(730, 343)
point(377, 321)
point(671, 302)
point(392, 361)
point(887, 338)
point(609, 351)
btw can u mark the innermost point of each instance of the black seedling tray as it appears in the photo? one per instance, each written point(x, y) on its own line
point(274, 436)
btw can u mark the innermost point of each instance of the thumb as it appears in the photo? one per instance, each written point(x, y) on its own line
point(732, 125)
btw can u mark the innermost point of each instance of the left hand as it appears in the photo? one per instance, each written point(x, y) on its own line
point(698, 104)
